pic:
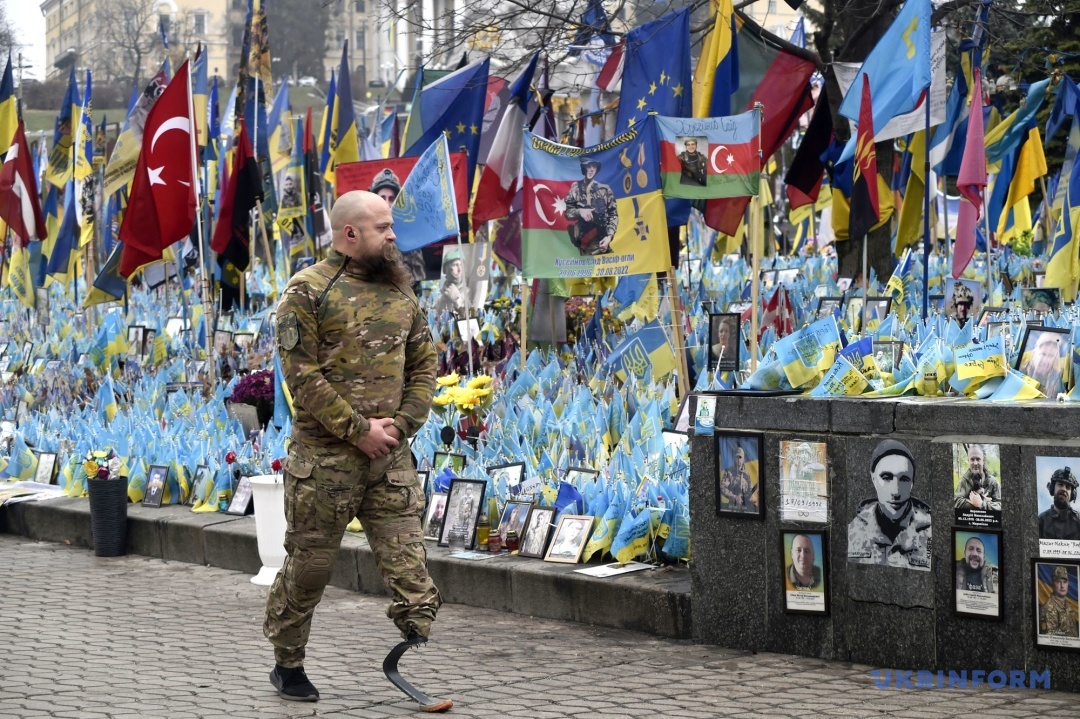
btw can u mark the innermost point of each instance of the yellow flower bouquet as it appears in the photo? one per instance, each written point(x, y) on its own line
point(466, 399)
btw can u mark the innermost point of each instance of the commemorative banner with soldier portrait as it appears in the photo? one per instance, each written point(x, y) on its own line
point(593, 212)
point(704, 158)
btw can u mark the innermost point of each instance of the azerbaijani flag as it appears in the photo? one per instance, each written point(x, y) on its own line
point(597, 212)
point(724, 162)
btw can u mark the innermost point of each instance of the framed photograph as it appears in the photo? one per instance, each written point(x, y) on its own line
point(704, 420)
point(512, 474)
point(891, 510)
point(827, 306)
point(1043, 300)
point(989, 312)
point(155, 485)
point(240, 503)
point(877, 308)
point(135, 339)
point(803, 558)
point(425, 477)
point(1056, 489)
point(148, 341)
point(993, 329)
point(436, 513)
point(578, 476)
point(469, 329)
point(463, 505)
point(724, 342)
point(456, 462)
point(977, 485)
point(936, 302)
point(46, 468)
point(223, 341)
point(1040, 279)
point(1044, 356)
point(804, 493)
point(887, 355)
point(570, 538)
point(963, 299)
point(243, 340)
point(1055, 602)
point(739, 485)
point(788, 276)
point(769, 278)
point(202, 473)
point(513, 517)
point(537, 530)
point(844, 283)
point(979, 573)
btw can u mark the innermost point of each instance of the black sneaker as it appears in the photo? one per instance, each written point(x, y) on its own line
point(293, 684)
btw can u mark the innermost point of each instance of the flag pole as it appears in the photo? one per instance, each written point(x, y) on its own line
point(208, 314)
point(945, 214)
point(986, 224)
point(678, 325)
point(525, 319)
point(755, 251)
point(926, 215)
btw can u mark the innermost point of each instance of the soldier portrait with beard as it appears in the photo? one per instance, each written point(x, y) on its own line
point(977, 493)
point(1061, 521)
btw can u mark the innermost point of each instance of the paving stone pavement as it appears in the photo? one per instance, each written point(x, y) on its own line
point(88, 638)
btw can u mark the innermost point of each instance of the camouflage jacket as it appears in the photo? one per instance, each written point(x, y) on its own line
point(984, 580)
point(600, 199)
point(1057, 617)
point(991, 491)
point(352, 350)
point(868, 544)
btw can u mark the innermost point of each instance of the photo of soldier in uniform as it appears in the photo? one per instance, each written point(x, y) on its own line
point(1044, 356)
point(977, 485)
point(452, 288)
point(963, 300)
point(290, 193)
point(977, 590)
point(1057, 617)
point(591, 211)
point(694, 164)
point(739, 486)
point(537, 529)
point(893, 527)
point(463, 504)
point(436, 513)
point(804, 572)
point(1059, 523)
point(1043, 300)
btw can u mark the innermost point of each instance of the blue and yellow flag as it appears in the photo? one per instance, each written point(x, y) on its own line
point(807, 354)
point(1063, 267)
point(344, 140)
point(426, 210)
point(633, 537)
point(200, 91)
point(326, 128)
point(594, 212)
point(281, 130)
point(648, 349)
point(109, 285)
point(62, 256)
point(9, 115)
point(60, 166)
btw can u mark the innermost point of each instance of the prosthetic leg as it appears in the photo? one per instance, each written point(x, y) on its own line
point(390, 669)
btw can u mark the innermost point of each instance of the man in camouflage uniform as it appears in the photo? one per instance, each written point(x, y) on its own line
point(1056, 616)
point(736, 485)
point(893, 528)
point(977, 489)
point(591, 208)
point(1060, 520)
point(358, 357)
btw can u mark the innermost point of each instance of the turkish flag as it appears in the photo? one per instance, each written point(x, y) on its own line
point(19, 205)
point(161, 210)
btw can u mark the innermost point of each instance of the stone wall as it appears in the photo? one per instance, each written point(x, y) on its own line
point(884, 616)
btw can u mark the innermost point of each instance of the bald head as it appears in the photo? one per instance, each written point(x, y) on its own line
point(362, 224)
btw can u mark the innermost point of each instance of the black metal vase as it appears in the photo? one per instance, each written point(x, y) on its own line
point(108, 515)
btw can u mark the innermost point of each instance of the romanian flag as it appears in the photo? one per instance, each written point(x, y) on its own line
point(597, 212)
point(723, 161)
point(717, 75)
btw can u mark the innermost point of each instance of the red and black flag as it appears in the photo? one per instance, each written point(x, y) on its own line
point(232, 236)
point(864, 186)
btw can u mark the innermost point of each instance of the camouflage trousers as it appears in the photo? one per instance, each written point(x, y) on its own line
point(324, 489)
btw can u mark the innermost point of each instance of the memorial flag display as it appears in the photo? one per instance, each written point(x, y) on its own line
point(706, 158)
point(597, 212)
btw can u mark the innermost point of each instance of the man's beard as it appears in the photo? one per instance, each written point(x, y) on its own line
point(1061, 500)
point(386, 267)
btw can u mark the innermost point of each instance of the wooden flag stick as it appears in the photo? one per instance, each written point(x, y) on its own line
point(755, 249)
point(524, 320)
point(677, 328)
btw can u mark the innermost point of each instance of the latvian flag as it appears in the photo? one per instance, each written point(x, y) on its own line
point(710, 157)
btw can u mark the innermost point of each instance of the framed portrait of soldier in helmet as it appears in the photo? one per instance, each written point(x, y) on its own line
point(1057, 616)
point(740, 489)
point(963, 300)
point(1042, 300)
point(1058, 520)
point(977, 485)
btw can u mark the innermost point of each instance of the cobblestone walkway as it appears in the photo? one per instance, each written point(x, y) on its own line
point(85, 638)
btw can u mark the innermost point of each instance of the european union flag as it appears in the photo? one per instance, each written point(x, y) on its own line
point(425, 211)
point(454, 106)
point(657, 70)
